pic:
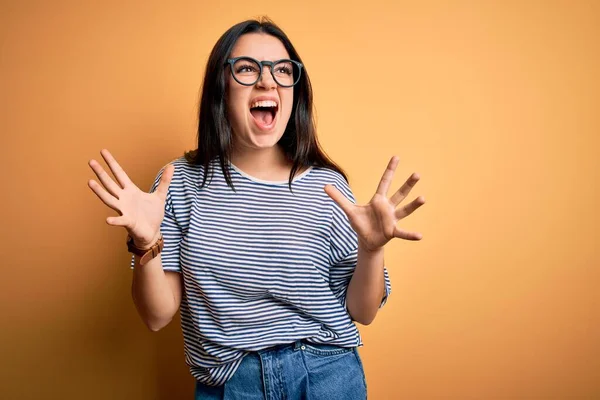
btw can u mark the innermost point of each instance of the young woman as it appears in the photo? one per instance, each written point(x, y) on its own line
point(262, 247)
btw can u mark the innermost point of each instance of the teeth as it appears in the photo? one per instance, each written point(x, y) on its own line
point(264, 103)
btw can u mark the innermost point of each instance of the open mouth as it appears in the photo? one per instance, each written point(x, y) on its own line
point(264, 113)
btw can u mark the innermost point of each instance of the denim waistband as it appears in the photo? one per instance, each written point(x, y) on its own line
point(298, 345)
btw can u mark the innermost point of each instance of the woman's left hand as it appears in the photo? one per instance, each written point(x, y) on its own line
point(375, 222)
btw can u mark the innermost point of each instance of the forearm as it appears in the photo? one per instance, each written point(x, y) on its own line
point(367, 286)
point(153, 296)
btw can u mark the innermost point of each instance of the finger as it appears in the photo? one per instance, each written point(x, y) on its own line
point(103, 195)
point(405, 189)
point(399, 233)
point(165, 180)
point(410, 207)
point(116, 169)
point(341, 200)
point(118, 221)
point(105, 179)
point(388, 175)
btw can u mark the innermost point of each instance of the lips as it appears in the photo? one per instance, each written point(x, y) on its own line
point(264, 111)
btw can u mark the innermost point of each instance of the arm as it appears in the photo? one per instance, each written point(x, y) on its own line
point(375, 225)
point(156, 293)
point(157, 286)
point(367, 286)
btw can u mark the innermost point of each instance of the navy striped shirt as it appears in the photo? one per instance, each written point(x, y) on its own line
point(261, 266)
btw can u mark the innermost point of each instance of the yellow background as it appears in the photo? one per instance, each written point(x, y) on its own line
point(495, 104)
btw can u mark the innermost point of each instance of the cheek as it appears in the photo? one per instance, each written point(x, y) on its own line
point(236, 106)
point(287, 99)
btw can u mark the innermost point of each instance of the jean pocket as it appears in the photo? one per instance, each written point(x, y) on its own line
point(325, 349)
point(362, 370)
point(334, 373)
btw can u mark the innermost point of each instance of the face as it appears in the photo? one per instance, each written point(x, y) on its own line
point(258, 127)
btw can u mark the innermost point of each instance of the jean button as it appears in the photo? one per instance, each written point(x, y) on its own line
point(303, 347)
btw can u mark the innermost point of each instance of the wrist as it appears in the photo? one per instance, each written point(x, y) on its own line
point(146, 245)
point(362, 248)
point(145, 255)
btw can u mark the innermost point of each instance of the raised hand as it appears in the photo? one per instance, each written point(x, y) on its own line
point(140, 213)
point(375, 222)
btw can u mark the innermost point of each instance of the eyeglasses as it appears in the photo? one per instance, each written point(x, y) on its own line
point(247, 71)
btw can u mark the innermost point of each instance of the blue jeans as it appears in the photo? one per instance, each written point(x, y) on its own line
point(299, 370)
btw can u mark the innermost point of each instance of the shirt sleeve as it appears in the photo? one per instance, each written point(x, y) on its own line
point(170, 229)
point(344, 250)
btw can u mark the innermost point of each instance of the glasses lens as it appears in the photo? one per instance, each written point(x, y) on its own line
point(246, 71)
point(286, 73)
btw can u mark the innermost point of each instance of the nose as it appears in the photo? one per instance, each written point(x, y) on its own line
point(266, 80)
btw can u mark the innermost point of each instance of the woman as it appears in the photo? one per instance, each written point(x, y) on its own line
point(264, 251)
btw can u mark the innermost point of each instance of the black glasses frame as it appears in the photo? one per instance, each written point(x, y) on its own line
point(262, 64)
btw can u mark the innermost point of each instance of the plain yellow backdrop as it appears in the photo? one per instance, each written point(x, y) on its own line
point(495, 104)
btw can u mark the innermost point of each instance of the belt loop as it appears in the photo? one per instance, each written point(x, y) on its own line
point(297, 344)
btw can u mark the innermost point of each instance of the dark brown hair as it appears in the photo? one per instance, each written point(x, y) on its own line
point(299, 140)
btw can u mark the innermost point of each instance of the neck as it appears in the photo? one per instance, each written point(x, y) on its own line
point(269, 164)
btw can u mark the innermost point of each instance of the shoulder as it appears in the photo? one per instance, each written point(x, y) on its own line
point(328, 176)
point(185, 173)
point(183, 166)
point(184, 170)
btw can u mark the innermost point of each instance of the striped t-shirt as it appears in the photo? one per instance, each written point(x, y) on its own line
point(261, 266)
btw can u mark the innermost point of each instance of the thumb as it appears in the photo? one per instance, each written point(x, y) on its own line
point(165, 180)
point(337, 196)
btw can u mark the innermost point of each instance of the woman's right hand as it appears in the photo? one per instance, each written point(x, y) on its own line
point(140, 213)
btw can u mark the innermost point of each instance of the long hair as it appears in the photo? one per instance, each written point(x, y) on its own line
point(299, 141)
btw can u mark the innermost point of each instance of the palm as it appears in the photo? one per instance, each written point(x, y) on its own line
point(375, 223)
point(139, 212)
point(143, 212)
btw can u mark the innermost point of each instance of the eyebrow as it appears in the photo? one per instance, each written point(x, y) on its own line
point(272, 59)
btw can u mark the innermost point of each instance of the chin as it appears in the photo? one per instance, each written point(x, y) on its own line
point(264, 141)
point(260, 138)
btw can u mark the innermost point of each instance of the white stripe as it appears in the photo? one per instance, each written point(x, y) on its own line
point(262, 266)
